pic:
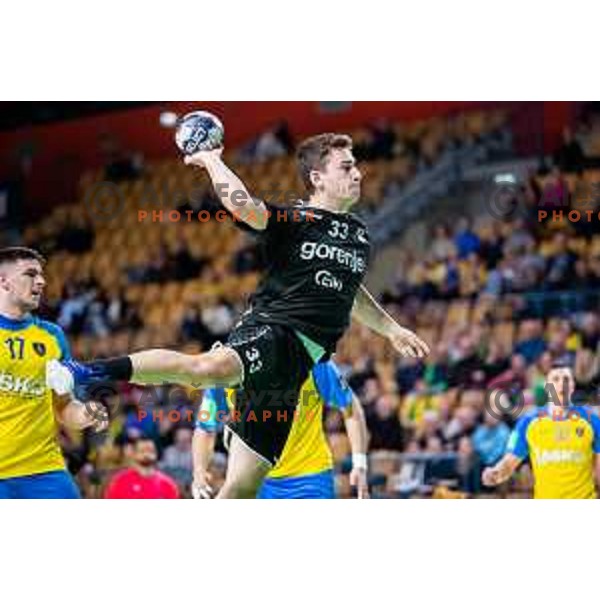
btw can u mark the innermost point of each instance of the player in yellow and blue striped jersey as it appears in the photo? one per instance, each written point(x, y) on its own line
point(31, 462)
point(305, 469)
point(562, 442)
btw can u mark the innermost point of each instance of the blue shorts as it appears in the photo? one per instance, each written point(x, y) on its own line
point(58, 485)
point(320, 486)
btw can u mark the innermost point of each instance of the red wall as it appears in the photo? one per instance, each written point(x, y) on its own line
point(64, 150)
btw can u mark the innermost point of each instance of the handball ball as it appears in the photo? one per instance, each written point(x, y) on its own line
point(199, 131)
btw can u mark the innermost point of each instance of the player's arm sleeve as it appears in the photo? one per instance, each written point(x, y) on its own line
point(212, 411)
point(61, 403)
point(517, 442)
point(332, 386)
point(61, 339)
point(65, 347)
point(595, 422)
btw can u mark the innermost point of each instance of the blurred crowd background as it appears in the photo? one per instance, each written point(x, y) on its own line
point(498, 288)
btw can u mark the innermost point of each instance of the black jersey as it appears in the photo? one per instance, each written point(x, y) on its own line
point(315, 263)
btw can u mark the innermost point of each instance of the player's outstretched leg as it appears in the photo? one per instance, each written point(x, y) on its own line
point(221, 367)
point(246, 471)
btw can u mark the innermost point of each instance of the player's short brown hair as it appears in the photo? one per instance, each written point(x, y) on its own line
point(313, 154)
point(15, 253)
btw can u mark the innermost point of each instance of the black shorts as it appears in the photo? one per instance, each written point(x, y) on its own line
point(276, 367)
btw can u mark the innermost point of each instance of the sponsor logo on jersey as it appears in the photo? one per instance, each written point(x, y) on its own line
point(361, 235)
point(39, 348)
point(27, 386)
point(312, 250)
point(326, 280)
point(545, 457)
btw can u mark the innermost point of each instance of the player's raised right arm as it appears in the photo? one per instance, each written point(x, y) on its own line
point(231, 190)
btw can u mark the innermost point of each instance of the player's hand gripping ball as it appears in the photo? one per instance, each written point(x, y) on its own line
point(198, 132)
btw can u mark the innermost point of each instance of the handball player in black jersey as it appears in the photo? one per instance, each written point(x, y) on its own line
point(317, 256)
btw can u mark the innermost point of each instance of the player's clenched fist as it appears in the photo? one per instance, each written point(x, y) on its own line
point(491, 477)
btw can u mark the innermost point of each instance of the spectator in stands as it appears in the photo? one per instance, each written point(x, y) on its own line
point(183, 265)
point(177, 459)
point(74, 305)
point(464, 362)
point(514, 378)
point(586, 367)
point(418, 407)
point(462, 423)
point(408, 373)
point(370, 391)
point(284, 136)
point(556, 191)
point(465, 239)
point(193, 328)
point(142, 481)
point(269, 145)
point(442, 246)
point(491, 245)
point(558, 343)
point(532, 344)
point(121, 314)
point(590, 332)
point(468, 467)
point(245, 259)
point(384, 425)
point(561, 265)
point(490, 439)
point(569, 157)
point(157, 269)
point(96, 319)
point(435, 374)
point(77, 237)
point(583, 279)
point(120, 165)
point(383, 141)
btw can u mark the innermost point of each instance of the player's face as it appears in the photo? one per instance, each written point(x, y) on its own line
point(24, 283)
point(562, 384)
point(341, 178)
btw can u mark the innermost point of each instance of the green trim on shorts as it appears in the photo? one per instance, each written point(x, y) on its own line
point(315, 351)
